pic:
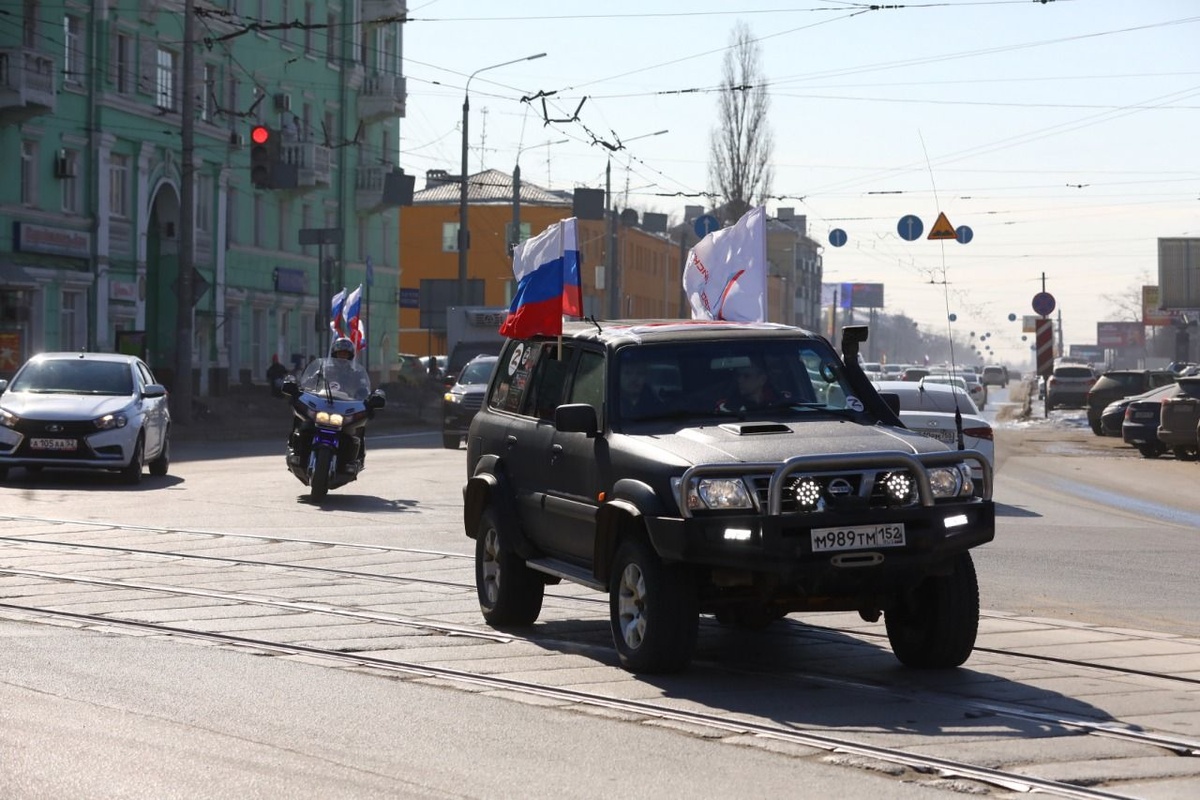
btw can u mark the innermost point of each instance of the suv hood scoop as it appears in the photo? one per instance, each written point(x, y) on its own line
point(755, 428)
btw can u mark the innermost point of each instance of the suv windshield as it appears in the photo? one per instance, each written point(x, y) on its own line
point(730, 379)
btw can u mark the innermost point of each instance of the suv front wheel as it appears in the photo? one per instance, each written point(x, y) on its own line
point(653, 610)
point(510, 593)
point(934, 626)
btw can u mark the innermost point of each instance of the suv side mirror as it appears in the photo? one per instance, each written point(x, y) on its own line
point(576, 418)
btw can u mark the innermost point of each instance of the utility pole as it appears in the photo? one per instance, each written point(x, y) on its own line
point(181, 394)
point(610, 252)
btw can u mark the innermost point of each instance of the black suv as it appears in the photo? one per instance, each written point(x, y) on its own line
point(734, 469)
point(1118, 383)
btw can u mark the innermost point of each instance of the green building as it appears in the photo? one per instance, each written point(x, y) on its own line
point(91, 175)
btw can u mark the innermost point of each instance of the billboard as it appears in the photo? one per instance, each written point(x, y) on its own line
point(1091, 353)
point(1179, 273)
point(1120, 334)
point(861, 295)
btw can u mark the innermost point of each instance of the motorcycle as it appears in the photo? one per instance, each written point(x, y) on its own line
point(331, 401)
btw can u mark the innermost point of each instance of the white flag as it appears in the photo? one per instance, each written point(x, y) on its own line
point(726, 273)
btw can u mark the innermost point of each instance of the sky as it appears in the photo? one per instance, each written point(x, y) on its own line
point(1064, 134)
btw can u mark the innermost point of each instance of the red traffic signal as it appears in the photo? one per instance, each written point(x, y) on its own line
point(264, 155)
point(259, 134)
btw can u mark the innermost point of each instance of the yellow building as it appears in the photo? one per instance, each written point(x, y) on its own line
point(648, 263)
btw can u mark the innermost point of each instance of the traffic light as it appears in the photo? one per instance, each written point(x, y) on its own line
point(264, 153)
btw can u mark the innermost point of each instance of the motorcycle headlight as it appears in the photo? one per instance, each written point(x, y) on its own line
point(110, 422)
point(716, 493)
point(332, 420)
point(9, 419)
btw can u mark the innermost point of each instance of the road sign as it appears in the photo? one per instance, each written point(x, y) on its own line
point(837, 237)
point(408, 298)
point(964, 234)
point(910, 227)
point(942, 229)
point(1043, 303)
point(705, 224)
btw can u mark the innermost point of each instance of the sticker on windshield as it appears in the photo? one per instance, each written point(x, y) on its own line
point(853, 403)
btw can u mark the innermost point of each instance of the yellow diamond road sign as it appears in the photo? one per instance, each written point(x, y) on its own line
point(942, 229)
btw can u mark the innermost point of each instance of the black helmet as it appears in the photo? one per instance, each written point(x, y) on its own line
point(342, 345)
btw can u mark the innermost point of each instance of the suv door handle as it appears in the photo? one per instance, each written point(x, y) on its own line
point(510, 441)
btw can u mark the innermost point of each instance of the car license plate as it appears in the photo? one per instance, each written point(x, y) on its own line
point(857, 538)
point(949, 437)
point(1142, 415)
point(53, 444)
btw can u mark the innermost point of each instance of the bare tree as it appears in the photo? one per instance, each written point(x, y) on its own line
point(739, 167)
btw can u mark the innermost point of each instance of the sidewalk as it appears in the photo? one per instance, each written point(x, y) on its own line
point(252, 413)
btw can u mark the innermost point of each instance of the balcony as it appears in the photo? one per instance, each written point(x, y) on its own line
point(26, 82)
point(381, 97)
point(313, 163)
point(368, 188)
point(378, 12)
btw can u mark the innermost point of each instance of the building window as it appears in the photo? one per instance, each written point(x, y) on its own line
point(305, 222)
point(232, 234)
point(308, 29)
point(204, 200)
point(123, 64)
point(286, 16)
point(285, 212)
point(449, 237)
point(29, 26)
point(331, 38)
point(73, 325)
point(70, 184)
point(28, 173)
point(208, 97)
point(258, 220)
point(164, 80)
point(118, 186)
point(73, 67)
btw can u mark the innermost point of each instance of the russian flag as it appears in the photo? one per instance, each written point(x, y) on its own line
point(335, 313)
point(354, 323)
point(548, 285)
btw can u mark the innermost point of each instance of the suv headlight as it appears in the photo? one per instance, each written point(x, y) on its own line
point(9, 419)
point(951, 481)
point(716, 493)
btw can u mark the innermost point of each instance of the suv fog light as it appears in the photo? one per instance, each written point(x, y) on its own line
point(807, 492)
point(737, 534)
point(899, 487)
point(957, 521)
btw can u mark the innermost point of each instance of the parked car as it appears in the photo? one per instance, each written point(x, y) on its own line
point(85, 411)
point(1119, 383)
point(462, 400)
point(969, 379)
point(1068, 385)
point(928, 409)
point(439, 366)
point(1139, 419)
point(747, 492)
point(994, 375)
point(411, 371)
point(1178, 419)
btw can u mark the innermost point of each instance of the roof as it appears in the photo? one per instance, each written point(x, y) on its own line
point(87, 356)
point(635, 331)
point(489, 186)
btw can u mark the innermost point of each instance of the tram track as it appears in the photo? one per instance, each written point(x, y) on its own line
point(725, 725)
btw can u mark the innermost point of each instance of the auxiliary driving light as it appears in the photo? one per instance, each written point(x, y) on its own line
point(899, 487)
point(807, 492)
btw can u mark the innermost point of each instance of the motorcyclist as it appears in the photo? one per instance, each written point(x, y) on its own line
point(343, 348)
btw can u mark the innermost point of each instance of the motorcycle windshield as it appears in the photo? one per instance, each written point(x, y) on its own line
point(336, 378)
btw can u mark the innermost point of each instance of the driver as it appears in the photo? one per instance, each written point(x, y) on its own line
point(753, 389)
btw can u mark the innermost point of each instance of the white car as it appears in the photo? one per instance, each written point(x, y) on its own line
point(85, 411)
point(928, 409)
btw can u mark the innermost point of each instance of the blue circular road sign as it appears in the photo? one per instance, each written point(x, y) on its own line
point(910, 227)
point(964, 234)
point(705, 224)
point(837, 237)
point(1043, 303)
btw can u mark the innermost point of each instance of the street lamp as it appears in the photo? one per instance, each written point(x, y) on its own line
point(515, 236)
point(464, 235)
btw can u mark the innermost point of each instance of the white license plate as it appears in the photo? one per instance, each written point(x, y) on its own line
point(53, 444)
point(865, 537)
point(949, 437)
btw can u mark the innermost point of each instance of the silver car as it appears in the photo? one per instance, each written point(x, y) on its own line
point(85, 411)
